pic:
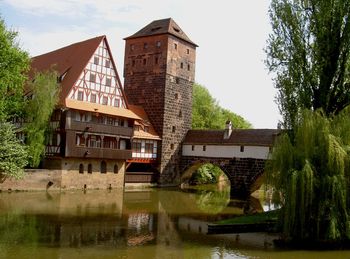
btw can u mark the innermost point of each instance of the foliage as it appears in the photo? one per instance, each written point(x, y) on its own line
point(308, 51)
point(13, 155)
point(309, 169)
point(44, 97)
point(263, 217)
point(207, 173)
point(207, 114)
point(14, 63)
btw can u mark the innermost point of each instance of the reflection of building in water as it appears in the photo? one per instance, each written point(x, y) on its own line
point(140, 228)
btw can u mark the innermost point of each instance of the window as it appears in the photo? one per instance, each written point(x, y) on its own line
point(182, 65)
point(173, 129)
point(177, 80)
point(149, 148)
point(176, 96)
point(96, 60)
point(136, 147)
point(116, 103)
point(94, 141)
point(192, 147)
point(133, 63)
point(103, 167)
point(105, 100)
point(175, 46)
point(80, 140)
point(108, 81)
point(107, 63)
point(144, 61)
point(93, 98)
point(80, 95)
point(171, 146)
point(89, 168)
point(188, 67)
point(132, 47)
point(242, 149)
point(81, 169)
point(156, 60)
point(180, 114)
point(158, 44)
point(204, 148)
point(115, 169)
point(188, 51)
point(145, 45)
point(92, 77)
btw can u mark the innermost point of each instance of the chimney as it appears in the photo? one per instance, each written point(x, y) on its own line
point(228, 129)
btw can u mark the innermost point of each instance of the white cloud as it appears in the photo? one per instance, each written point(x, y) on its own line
point(231, 35)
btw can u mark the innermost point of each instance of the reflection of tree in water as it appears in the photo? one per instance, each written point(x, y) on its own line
point(17, 229)
point(213, 201)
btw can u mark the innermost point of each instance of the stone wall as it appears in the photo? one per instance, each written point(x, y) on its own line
point(243, 173)
point(159, 74)
point(69, 177)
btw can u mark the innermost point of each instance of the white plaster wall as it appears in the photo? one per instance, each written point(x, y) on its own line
point(259, 152)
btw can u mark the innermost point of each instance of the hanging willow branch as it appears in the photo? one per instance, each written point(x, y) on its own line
point(308, 169)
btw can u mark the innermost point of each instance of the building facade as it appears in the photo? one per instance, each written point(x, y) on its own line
point(159, 68)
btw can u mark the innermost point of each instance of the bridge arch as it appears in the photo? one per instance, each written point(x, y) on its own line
point(245, 174)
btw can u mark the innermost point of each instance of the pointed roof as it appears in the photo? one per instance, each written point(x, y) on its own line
point(68, 61)
point(164, 26)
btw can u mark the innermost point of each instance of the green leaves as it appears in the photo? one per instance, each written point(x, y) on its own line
point(308, 51)
point(14, 64)
point(308, 169)
point(13, 155)
point(45, 93)
point(207, 114)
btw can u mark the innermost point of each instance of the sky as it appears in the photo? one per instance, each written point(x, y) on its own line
point(231, 35)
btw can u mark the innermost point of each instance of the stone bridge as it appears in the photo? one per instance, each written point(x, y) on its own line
point(240, 154)
point(244, 173)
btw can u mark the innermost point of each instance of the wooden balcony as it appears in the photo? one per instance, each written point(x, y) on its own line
point(87, 152)
point(92, 127)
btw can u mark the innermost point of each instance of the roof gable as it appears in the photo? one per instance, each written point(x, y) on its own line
point(68, 61)
point(164, 26)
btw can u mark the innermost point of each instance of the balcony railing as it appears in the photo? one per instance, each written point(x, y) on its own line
point(88, 152)
point(99, 127)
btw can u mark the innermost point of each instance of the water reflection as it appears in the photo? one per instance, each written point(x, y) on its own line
point(117, 224)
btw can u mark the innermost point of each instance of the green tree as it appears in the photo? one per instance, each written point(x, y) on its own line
point(44, 92)
point(207, 114)
point(309, 172)
point(13, 155)
point(308, 51)
point(14, 63)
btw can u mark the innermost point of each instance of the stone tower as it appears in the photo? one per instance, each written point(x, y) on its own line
point(159, 70)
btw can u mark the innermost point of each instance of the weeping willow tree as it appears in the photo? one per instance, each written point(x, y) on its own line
point(309, 170)
point(44, 97)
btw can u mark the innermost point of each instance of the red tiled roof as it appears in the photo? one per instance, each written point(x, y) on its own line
point(259, 137)
point(164, 26)
point(71, 59)
point(140, 112)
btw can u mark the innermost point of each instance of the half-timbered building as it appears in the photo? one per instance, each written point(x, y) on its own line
point(92, 128)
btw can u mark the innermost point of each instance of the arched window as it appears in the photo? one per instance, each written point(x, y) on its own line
point(115, 169)
point(103, 167)
point(81, 169)
point(89, 168)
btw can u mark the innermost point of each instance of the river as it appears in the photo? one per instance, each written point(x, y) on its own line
point(146, 223)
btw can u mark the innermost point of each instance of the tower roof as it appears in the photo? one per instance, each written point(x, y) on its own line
point(164, 26)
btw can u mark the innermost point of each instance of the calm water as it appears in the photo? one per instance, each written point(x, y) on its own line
point(130, 224)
